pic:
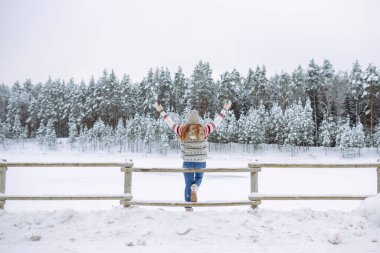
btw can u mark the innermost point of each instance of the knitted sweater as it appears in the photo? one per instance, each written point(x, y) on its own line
point(193, 150)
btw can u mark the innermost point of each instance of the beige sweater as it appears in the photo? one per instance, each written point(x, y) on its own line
point(193, 150)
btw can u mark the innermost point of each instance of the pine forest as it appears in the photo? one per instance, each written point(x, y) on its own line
point(312, 106)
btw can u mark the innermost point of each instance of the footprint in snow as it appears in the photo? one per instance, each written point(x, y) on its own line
point(184, 232)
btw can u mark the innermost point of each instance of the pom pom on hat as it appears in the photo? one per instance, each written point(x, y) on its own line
point(193, 117)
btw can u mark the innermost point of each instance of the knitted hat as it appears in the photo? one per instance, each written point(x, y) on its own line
point(193, 118)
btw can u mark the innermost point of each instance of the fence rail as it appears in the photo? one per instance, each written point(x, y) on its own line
point(126, 199)
point(312, 165)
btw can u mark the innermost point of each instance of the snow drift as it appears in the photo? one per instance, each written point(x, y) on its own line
point(140, 229)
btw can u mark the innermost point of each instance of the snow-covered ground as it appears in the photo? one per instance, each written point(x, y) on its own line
point(104, 226)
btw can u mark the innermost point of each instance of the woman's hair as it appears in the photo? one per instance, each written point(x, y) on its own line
point(186, 129)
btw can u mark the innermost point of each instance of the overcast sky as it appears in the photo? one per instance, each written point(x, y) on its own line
point(74, 38)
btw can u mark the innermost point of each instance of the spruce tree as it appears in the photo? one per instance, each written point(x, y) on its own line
point(377, 136)
point(201, 88)
point(358, 137)
point(2, 135)
point(127, 101)
point(17, 129)
point(147, 95)
point(371, 93)
point(313, 82)
point(4, 100)
point(50, 137)
point(120, 135)
point(73, 132)
point(327, 132)
point(275, 125)
point(356, 91)
point(13, 107)
point(297, 86)
point(40, 135)
point(180, 85)
point(344, 134)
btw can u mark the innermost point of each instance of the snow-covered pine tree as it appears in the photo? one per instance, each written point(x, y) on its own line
point(377, 136)
point(150, 133)
point(254, 89)
point(201, 88)
point(326, 98)
point(299, 125)
point(164, 85)
point(73, 132)
point(163, 143)
point(308, 126)
point(241, 134)
point(356, 90)
point(279, 85)
point(50, 138)
point(227, 132)
point(358, 136)
point(147, 95)
point(232, 127)
point(91, 105)
point(33, 109)
point(17, 129)
point(245, 97)
point(97, 134)
point(81, 115)
point(180, 85)
point(24, 135)
point(253, 128)
point(344, 134)
point(313, 82)
point(4, 100)
point(102, 88)
point(14, 104)
point(40, 135)
point(127, 101)
point(291, 123)
point(327, 132)
point(120, 135)
point(2, 135)
point(83, 138)
point(346, 138)
point(134, 133)
point(110, 96)
point(108, 137)
point(297, 85)
point(75, 103)
point(275, 125)
point(371, 86)
point(50, 103)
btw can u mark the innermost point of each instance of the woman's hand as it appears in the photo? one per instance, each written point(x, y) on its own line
point(158, 107)
point(227, 105)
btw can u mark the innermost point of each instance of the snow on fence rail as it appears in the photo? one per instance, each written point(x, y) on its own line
point(127, 200)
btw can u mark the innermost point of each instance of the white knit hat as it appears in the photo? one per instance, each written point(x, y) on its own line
point(193, 117)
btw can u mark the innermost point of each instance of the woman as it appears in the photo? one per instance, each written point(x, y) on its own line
point(193, 139)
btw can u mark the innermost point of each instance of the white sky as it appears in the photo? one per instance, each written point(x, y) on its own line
point(74, 38)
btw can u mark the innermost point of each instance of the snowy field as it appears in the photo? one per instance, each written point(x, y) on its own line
point(104, 226)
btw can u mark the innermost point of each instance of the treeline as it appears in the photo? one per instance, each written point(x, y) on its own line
point(305, 107)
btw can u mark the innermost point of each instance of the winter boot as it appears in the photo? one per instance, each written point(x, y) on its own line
point(193, 196)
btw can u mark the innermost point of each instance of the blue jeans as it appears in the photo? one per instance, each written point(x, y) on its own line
point(192, 177)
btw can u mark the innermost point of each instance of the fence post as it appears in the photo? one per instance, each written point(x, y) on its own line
point(255, 180)
point(3, 174)
point(378, 176)
point(127, 181)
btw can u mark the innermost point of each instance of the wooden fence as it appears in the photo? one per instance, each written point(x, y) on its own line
point(127, 168)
